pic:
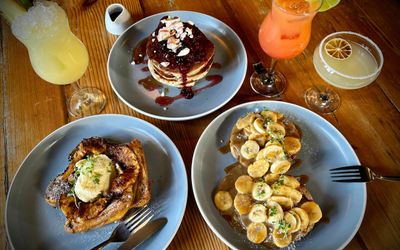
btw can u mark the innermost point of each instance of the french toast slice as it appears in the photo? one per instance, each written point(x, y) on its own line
point(129, 185)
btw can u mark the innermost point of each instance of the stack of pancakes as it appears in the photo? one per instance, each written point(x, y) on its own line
point(179, 53)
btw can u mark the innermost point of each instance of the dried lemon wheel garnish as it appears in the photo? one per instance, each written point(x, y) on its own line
point(338, 48)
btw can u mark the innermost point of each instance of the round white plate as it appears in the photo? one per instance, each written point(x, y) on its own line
point(32, 224)
point(323, 147)
point(124, 77)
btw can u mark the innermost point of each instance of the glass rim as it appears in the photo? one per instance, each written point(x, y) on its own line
point(274, 2)
point(380, 65)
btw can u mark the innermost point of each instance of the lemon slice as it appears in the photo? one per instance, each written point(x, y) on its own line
point(338, 48)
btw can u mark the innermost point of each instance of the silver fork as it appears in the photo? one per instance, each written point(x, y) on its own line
point(130, 225)
point(358, 173)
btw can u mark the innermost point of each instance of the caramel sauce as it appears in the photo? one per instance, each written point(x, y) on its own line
point(225, 149)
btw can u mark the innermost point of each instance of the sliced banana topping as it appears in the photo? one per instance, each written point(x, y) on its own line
point(242, 203)
point(245, 121)
point(291, 145)
point(223, 200)
point(290, 181)
point(249, 149)
point(261, 191)
point(285, 202)
point(291, 220)
point(298, 221)
point(282, 190)
point(258, 213)
point(313, 210)
point(275, 212)
point(257, 232)
point(280, 166)
point(276, 130)
point(269, 116)
point(258, 169)
point(273, 153)
point(271, 178)
point(259, 138)
point(244, 184)
point(259, 126)
point(305, 221)
point(280, 237)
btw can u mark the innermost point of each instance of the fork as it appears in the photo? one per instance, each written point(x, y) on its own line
point(358, 173)
point(130, 225)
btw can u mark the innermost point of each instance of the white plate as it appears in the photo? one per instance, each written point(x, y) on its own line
point(229, 53)
point(323, 147)
point(32, 224)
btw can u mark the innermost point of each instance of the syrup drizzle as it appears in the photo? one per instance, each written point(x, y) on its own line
point(168, 100)
point(139, 52)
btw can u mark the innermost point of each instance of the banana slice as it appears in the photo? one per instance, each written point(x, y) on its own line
point(281, 239)
point(305, 221)
point(258, 169)
point(291, 145)
point(291, 220)
point(249, 149)
point(257, 232)
point(258, 213)
point(290, 181)
point(282, 190)
point(269, 116)
point(259, 126)
point(261, 139)
point(313, 210)
point(261, 154)
point(285, 202)
point(273, 153)
point(298, 221)
point(280, 166)
point(242, 203)
point(244, 184)
point(276, 130)
point(273, 142)
point(223, 200)
point(275, 212)
point(261, 191)
point(271, 178)
point(245, 121)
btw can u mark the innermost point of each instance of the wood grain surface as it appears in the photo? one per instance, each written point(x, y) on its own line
point(368, 117)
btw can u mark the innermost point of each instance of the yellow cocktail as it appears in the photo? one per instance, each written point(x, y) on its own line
point(345, 60)
point(56, 54)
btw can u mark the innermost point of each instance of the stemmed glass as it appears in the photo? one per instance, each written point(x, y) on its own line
point(346, 60)
point(56, 54)
point(283, 34)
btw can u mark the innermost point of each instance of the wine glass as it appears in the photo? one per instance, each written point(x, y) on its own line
point(346, 60)
point(56, 54)
point(283, 34)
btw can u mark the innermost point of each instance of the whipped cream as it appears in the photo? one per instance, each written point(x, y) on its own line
point(174, 32)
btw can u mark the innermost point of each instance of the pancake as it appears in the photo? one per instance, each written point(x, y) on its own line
point(179, 53)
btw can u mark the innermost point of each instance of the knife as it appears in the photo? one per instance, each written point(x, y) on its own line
point(143, 234)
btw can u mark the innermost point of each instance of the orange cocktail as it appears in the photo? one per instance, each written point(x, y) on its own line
point(286, 31)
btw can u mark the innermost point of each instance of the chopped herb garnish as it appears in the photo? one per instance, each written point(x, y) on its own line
point(273, 211)
point(283, 227)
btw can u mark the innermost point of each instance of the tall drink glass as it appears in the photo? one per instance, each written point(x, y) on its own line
point(283, 34)
point(56, 54)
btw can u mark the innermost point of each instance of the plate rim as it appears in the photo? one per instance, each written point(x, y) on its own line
point(47, 137)
point(180, 118)
point(254, 103)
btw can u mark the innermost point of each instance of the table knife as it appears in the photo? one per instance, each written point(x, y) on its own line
point(143, 234)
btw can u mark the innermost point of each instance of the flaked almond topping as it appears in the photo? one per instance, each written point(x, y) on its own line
point(164, 64)
point(182, 36)
point(173, 44)
point(183, 52)
point(189, 32)
point(153, 34)
point(191, 23)
point(170, 21)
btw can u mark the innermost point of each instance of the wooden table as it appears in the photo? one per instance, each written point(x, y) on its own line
point(369, 117)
